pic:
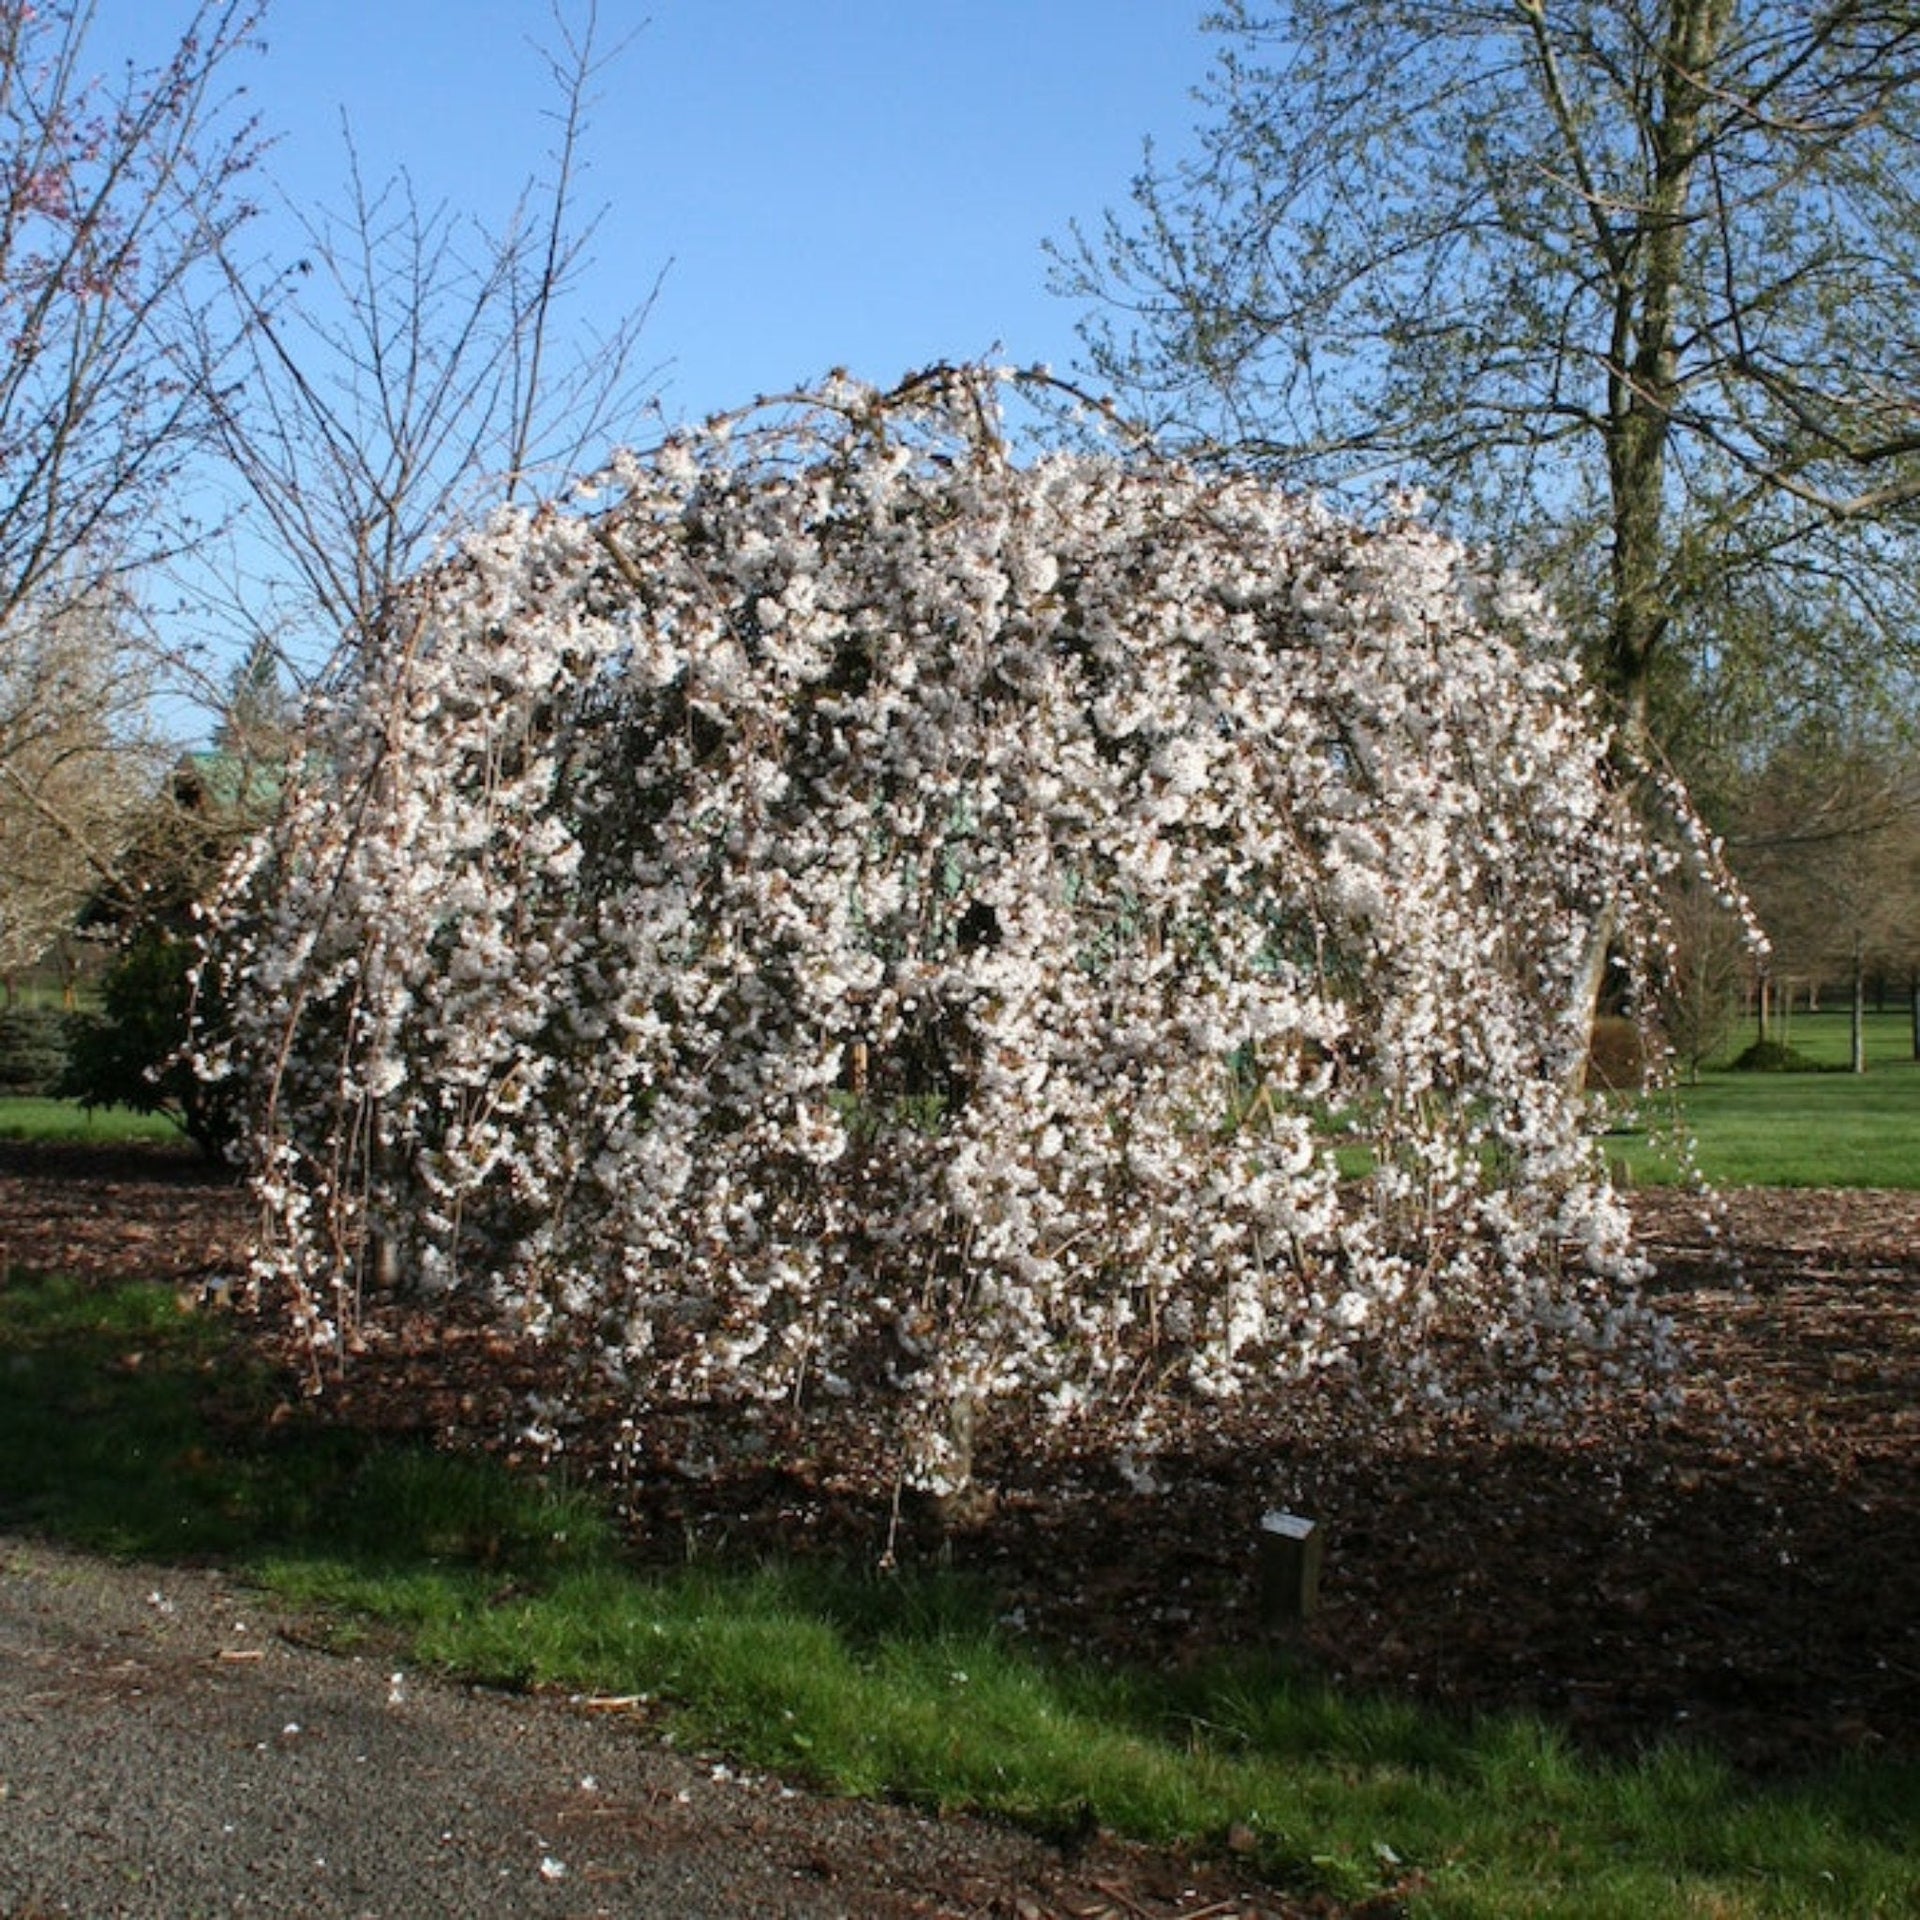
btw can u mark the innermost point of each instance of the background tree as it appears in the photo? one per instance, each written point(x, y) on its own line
point(78, 761)
point(1709, 966)
point(131, 1050)
point(115, 200)
point(1628, 284)
point(259, 722)
point(409, 369)
point(1827, 834)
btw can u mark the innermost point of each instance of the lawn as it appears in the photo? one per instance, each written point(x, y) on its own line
point(67, 1122)
point(1821, 1128)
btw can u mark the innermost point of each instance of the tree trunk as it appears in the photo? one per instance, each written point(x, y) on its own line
point(1586, 1000)
point(1859, 1006)
point(1643, 388)
point(1643, 383)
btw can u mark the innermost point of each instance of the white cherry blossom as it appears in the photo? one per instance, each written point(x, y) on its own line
point(844, 914)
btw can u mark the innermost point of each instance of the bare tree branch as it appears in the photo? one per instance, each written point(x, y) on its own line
point(406, 370)
point(1609, 278)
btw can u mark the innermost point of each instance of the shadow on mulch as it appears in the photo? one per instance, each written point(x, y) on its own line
point(163, 1162)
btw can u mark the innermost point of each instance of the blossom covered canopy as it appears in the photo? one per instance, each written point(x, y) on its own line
point(838, 912)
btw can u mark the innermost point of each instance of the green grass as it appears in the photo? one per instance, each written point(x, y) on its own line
point(49, 996)
point(1826, 1039)
point(1829, 1128)
point(132, 1427)
point(65, 1121)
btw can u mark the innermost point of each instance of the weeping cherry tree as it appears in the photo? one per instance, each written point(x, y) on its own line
point(838, 913)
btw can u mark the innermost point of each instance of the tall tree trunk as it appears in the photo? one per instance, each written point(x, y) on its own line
point(1643, 381)
point(1859, 1005)
point(1642, 390)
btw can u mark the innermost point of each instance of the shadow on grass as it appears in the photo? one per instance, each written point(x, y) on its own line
point(132, 1426)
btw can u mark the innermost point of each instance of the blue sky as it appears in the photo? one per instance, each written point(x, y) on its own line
point(864, 183)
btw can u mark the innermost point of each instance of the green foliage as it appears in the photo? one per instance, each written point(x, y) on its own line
point(33, 1051)
point(900, 1685)
point(131, 1053)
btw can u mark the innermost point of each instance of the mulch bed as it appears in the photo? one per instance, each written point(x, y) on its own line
point(1744, 1573)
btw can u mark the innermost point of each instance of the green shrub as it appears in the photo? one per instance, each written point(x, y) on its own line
point(1773, 1056)
point(33, 1051)
point(129, 1053)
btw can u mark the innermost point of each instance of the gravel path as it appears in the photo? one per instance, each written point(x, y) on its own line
point(168, 1750)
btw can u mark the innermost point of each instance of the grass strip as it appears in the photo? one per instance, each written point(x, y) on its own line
point(66, 1122)
point(1347, 1797)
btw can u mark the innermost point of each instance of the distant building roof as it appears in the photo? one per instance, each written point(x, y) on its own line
point(221, 781)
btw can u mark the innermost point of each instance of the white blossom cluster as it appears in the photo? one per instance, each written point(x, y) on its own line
point(841, 913)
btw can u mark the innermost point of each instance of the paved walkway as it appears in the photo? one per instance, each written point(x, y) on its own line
point(167, 1750)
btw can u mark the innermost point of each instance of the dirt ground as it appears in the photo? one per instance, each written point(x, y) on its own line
point(1745, 1573)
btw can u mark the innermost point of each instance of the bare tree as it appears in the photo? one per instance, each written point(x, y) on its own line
point(78, 763)
point(115, 200)
point(406, 369)
point(1629, 284)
